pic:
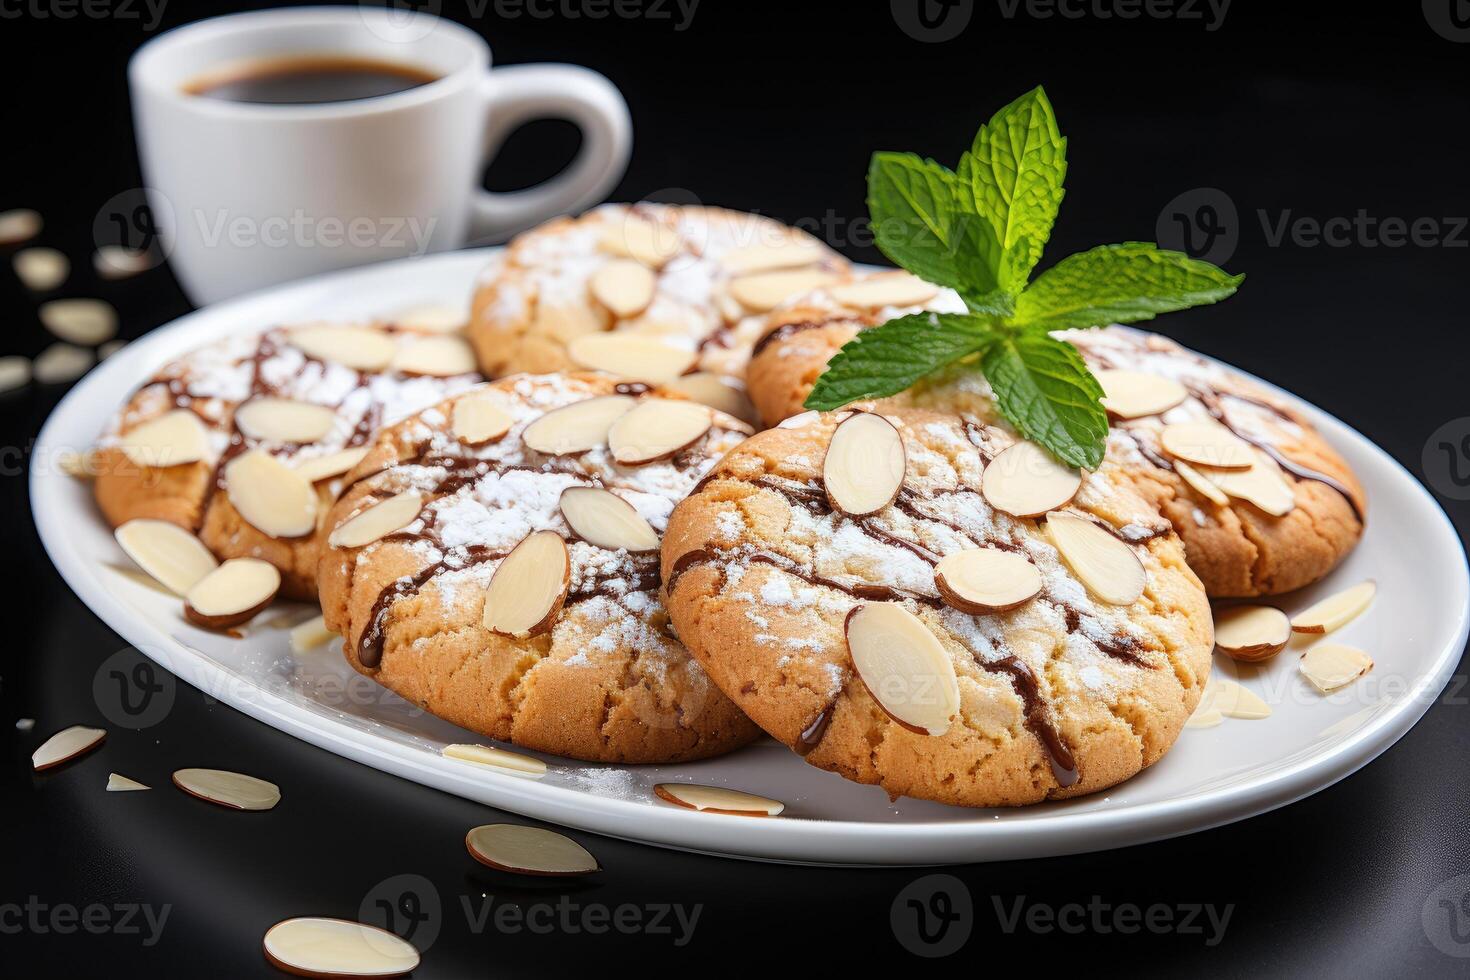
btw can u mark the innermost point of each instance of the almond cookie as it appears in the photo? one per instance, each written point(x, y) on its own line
point(246, 441)
point(646, 292)
point(1276, 513)
point(495, 560)
point(938, 646)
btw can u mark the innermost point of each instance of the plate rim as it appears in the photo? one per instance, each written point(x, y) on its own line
point(801, 840)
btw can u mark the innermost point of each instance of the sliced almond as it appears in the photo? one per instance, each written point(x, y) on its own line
point(120, 262)
point(1252, 634)
point(66, 745)
point(577, 427)
point(712, 390)
point(360, 348)
point(1109, 568)
point(564, 319)
point(1201, 483)
point(1207, 444)
point(378, 521)
point(176, 559)
point(602, 518)
point(624, 286)
point(172, 439)
point(433, 319)
point(1330, 666)
point(529, 850)
point(717, 799)
point(1134, 394)
point(1262, 485)
point(480, 419)
point(765, 291)
point(1335, 610)
point(321, 468)
point(1025, 480)
point(15, 372)
point(331, 948)
point(643, 241)
point(486, 755)
point(888, 289)
point(82, 466)
point(1206, 715)
point(232, 594)
point(986, 580)
point(1237, 701)
point(41, 269)
point(284, 420)
point(631, 356)
point(435, 357)
point(232, 789)
point(783, 253)
point(62, 363)
point(270, 496)
point(865, 465)
point(87, 322)
point(122, 784)
point(19, 225)
point(657, 429)
point(311, 635)
point(903, 666)
point(528, 588)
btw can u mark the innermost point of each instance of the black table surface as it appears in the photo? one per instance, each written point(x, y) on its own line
point(1351, 122)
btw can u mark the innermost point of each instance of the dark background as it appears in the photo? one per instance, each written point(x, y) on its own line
point(1314, 111)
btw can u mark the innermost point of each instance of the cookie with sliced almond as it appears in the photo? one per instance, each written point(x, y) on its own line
point(848, 579)
point(494, 560)
point(246, 442)
point(1264, 503)
point(646, 292)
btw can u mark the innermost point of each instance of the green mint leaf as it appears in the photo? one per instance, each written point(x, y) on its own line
point(1012, 176)
point(920, 223)
point(887, 359)
point(1044, 389)
point(1119, 284)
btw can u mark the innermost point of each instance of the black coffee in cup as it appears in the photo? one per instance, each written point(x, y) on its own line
point(309, 79)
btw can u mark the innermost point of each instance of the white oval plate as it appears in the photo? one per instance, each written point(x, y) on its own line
point(1415, 632)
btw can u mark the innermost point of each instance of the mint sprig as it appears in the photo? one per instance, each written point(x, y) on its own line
point(980, 230)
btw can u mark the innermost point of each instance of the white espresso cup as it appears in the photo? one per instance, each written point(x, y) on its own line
point(245, 195)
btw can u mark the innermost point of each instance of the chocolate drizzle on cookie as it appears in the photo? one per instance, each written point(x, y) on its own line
point(370, 643)
point(1063, 763)
point(1212, 400)
point(786, 330)
point(460, 472)
point(811, 736)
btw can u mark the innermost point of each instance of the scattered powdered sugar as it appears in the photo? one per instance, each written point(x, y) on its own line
point(730, 525)
point(615, 784)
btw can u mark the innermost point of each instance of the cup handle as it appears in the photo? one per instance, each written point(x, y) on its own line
point(519, 93)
